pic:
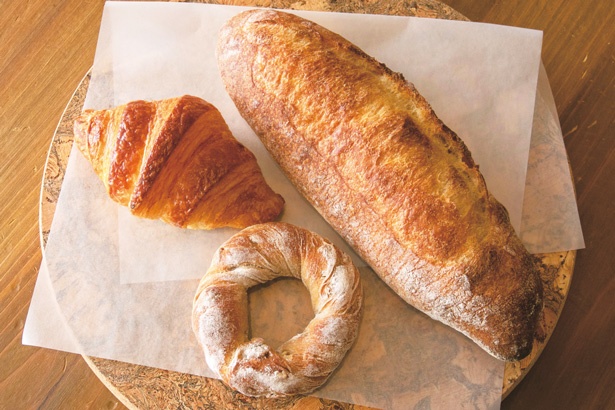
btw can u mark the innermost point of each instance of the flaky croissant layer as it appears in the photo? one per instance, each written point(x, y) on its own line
point(176, 160)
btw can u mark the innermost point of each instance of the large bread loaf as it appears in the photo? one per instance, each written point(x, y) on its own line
point(366, 149)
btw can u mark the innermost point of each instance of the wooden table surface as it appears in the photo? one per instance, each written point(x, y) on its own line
point(47, 47)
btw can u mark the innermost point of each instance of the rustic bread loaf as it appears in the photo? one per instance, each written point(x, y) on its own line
point(366, 149)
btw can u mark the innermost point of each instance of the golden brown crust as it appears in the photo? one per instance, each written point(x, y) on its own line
point(257, 255)
point(176, 160)
point(369, 153)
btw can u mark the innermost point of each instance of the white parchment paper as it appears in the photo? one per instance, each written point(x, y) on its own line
point(480, 79)
point(125, 285)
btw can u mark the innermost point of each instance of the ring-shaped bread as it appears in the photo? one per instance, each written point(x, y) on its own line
point(257, 255)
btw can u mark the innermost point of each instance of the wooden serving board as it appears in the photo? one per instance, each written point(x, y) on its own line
point(142, 387)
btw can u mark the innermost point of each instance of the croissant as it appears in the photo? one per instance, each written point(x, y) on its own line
point(176, 160)
point(386, 173)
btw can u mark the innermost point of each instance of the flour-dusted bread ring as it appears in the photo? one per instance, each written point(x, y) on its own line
point(257, 255)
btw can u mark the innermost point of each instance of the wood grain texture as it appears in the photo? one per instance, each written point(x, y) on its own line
point(47, 48)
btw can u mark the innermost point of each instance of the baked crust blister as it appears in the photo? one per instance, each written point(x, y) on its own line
point(366, 149)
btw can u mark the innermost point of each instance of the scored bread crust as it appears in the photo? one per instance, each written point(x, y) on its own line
point(366, 149)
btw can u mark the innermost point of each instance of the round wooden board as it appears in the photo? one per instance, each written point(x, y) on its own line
point(142, 387)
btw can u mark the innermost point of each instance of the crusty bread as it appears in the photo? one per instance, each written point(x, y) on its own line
point(366, 149)
point(176, 160)
point(259, 254)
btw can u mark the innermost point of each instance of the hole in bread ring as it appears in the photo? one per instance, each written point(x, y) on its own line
point(259, 254)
